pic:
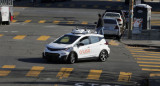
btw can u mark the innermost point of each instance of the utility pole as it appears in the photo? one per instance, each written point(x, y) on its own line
point(130, 19)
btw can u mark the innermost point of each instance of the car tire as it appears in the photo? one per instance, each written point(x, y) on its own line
point(103, 56)
point(3, 23)
point(8, 22)
point(43, 56)
point(72, 58)
point(48, 59)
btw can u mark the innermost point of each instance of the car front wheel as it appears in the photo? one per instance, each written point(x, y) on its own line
point(103, 56)
point(72, 58)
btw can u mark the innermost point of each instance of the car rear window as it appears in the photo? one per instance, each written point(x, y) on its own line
point(112, 15)
point(110, 21)
point(67, 39)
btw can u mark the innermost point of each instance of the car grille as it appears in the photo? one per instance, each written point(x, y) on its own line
point(52, 54)
point(53, 49)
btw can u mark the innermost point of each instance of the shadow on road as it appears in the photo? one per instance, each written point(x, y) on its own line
point(43, 61)
point(34, 60)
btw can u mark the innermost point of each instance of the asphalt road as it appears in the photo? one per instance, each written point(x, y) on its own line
point(21, 48)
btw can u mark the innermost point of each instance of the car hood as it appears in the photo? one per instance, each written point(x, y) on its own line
point(58, 46)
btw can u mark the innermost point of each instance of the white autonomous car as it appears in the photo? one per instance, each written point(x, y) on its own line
point(79, 44)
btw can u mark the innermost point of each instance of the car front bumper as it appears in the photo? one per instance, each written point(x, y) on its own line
point(54, 56)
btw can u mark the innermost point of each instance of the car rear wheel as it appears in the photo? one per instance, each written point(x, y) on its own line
point(72, 58)
point(103, 56)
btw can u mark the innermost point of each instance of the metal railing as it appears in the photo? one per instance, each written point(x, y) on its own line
point(6, 2)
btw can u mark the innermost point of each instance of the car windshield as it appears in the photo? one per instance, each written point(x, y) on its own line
point(67, 39)
point(112, 15)
point(110, 21)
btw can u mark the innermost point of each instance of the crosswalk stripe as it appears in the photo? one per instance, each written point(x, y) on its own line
point(16, 14)
point(146, 69)
point(13, 21)
point(153, 54)
point(35, 71)
point(124, 76)
point(145, 56)
point(1, 35)
point(19, 37)
point(137, 51)
point(155, 22)
point(70, 22)
point(133, 48)
point(27, 21)
point(42, 21)
point(56, 22)
point(84, 22)
point(149, 65)
point(155, 12)
point(141, 62)
point(43, 38)
point(64, 73)
point(148, 59)
point(8, 66)
point(55, 85)
point(150, 52)
point(112, 42)
point(94, 74)
point(154, 74)
point(6, 72)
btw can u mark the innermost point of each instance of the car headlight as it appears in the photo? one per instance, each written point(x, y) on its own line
point(67, 49)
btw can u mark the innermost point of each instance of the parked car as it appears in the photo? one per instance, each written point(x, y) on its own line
point(122, 16)
point(111, 28)
point(114, 15)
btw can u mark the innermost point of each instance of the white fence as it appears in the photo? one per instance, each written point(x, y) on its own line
point(6, 2)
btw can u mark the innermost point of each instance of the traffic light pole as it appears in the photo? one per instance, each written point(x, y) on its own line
point(130, 19)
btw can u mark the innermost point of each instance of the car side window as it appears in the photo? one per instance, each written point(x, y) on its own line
point(94, 39)
point(85, 41)
point(100, 38)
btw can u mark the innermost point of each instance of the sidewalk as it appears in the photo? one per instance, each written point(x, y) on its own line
point(142, 40)
point(142, 43)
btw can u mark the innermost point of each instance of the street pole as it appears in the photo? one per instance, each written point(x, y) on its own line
point(130, 19)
